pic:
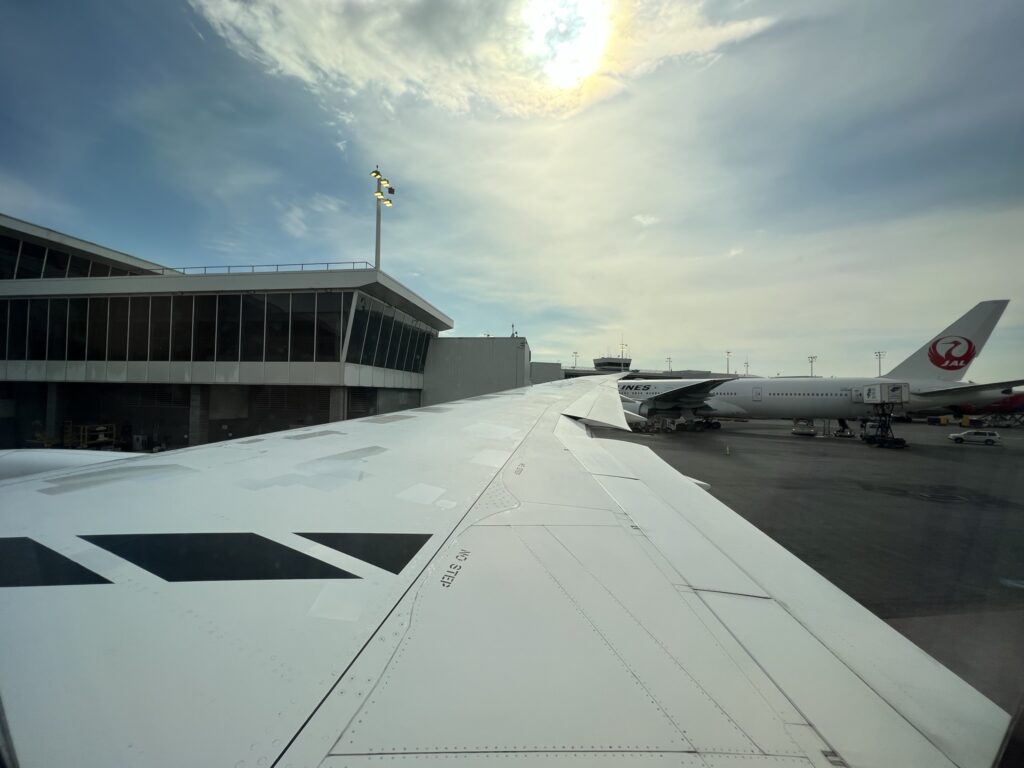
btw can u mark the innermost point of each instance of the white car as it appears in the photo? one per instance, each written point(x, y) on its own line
point(980, 436)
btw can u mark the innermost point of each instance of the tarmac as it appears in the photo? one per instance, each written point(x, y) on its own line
point(929, 538)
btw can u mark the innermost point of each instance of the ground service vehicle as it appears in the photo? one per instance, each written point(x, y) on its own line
point(979, 436)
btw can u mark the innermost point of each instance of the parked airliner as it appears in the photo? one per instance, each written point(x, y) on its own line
point(933, 374)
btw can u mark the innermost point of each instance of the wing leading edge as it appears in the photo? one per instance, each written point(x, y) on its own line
point(562, 595)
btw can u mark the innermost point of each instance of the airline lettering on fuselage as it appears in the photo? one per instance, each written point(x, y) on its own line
point(635, 387)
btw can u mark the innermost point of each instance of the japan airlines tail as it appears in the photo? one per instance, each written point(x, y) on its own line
point(947, 356)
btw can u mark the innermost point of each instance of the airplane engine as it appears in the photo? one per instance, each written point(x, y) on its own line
point(636, 408)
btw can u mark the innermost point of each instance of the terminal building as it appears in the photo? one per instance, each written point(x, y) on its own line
point(102, 349)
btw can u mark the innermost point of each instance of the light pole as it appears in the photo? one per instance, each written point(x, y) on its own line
point(669, 361)
point(746, 368)
point(383, 185)
point(811, 359)
point(575, 357)
point(728, 356)
point(880, 354)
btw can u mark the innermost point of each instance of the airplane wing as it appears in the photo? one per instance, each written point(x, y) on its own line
point(690, 393)
point(971, 388)
point(483, 581)
point(18, 463)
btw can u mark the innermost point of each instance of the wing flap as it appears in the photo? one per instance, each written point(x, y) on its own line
point(961, 722)
point(701, 564)
point(804, 669)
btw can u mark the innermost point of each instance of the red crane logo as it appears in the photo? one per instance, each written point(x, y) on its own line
point(951, 353)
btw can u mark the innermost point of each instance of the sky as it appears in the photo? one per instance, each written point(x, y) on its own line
point(777, 179)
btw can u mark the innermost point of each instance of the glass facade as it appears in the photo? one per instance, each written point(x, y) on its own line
point(96, 349)
point(204, 324)
point(385, 337)
point(303, 327)
point(138, 329)
point(29, 260)
point(117, 328)
point(37, 309)
point(8, 257)
point(229, 307)
point(278, 309)
point(181, 328)
point(17, 325)
point(78, 325)
point(254, 314)
point(57, 335)
point(276, 327)
point(160, 328)
point(56, 264)
point(329, 324)
point(358, 336)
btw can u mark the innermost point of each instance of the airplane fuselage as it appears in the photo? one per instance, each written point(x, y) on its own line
point(835, 398)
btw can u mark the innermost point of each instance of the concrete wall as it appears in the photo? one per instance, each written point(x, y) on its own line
point(542, 372)
point(390, 400)
point(465, 367)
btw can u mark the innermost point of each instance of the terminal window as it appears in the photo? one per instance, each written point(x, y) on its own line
point(276, 327)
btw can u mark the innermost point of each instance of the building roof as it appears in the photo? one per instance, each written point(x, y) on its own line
point(18, 228)
point(152, 278)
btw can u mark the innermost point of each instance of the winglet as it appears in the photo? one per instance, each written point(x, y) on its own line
point(948, 355)
point(600, 406)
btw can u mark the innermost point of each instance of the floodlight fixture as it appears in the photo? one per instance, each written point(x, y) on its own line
point(383, 185)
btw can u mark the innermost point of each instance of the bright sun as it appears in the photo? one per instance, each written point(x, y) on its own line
point(568, 36)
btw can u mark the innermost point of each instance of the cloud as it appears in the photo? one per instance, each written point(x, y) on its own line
point(319, 214)
point(200, 141)
point(645, 219)
point(518, 57)
point(293, 221)
point(21, 199)
point(753, 205)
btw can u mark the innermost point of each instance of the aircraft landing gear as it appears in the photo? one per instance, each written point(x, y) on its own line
point(844, 429)
point(697, 425)
point(706, 423)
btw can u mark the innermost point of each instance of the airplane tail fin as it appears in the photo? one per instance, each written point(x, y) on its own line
point(948, 355)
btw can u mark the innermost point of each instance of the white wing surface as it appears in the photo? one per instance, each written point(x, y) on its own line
point(479, 582)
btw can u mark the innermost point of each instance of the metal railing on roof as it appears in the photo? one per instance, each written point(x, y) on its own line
point(236, 269)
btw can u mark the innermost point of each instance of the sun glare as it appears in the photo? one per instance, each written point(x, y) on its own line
point(567, 36)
